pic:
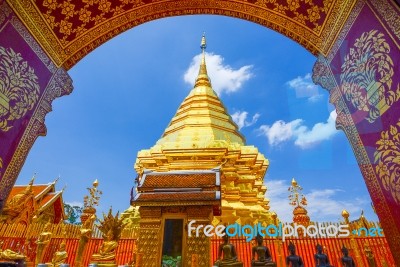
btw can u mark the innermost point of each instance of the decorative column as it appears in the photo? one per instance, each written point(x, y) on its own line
point(28, 85)
point(362, 76)
point(149, 237)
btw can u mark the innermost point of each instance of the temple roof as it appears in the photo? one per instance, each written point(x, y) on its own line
point(178, 198)
point(44, 196)
point(179, 180)
point(196, 187)
point(201, 118)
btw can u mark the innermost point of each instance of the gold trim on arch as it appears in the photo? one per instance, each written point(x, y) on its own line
point(318, 40)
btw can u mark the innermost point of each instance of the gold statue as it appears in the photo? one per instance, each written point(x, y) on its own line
point(8, 254)
point(42, 242)
point(370, 256)
point(60, 256)
point(228, 253)
point(111, 227)
point(263, 254)
point(86, 234)
point(107, 249)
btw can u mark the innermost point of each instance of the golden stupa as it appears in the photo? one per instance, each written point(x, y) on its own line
point(202, 136)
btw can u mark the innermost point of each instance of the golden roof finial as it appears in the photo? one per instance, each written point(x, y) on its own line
point(296, 198)
point(203, 79)
point(345, 214)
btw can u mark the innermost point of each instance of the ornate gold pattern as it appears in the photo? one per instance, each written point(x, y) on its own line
point(69, 32)
point(389, 14)
point(366, 76)
point(19, 88)
point(221, 146)
point(387, 157)
point(345, 122)
point(198, 247)
point(355, 11)
point(92, 200)
point(59, 85)
point(322, 74)
point(148, 246)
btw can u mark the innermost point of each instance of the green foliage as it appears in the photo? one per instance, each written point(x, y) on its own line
point(169, 261)
point(73, 213)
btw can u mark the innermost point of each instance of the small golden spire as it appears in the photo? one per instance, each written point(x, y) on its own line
point(345, 214)
point(294, 183)
point(203, 79)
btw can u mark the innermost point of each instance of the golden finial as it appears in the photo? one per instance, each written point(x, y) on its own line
point(92, 199)
point(203, 79)
point(296, 198)
point(32, 179)
point(345, 214)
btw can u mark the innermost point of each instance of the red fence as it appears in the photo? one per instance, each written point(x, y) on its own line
point(305, 247)
point(21, 239)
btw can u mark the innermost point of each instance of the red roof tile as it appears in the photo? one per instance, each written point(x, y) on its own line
point(181, 180)
point(176, 196)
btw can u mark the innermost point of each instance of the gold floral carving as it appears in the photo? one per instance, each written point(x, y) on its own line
point(322, 74)
point(387, 158)
point(68, 31)
point(367, 72)
point(148, 245)
point(19, 87)
point(60, 84)
point(334, 46)
point(389, 14)
point(199, 245)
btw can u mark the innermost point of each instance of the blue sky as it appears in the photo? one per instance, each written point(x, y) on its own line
point(127, 90)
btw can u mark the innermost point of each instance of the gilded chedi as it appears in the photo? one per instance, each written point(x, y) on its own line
point(202, 136)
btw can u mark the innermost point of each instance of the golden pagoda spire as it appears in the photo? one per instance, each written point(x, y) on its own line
point(201, 114)
point(202, 136)
point(203, 79)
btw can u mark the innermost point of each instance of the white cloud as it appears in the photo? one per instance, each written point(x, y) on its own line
point(305, 87)
point(319, 132)
point(240, 118)
point(303, 137)
point(277, 193)
point(323, 205)
point(223, 77)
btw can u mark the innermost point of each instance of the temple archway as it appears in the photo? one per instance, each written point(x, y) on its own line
point(344, 34)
